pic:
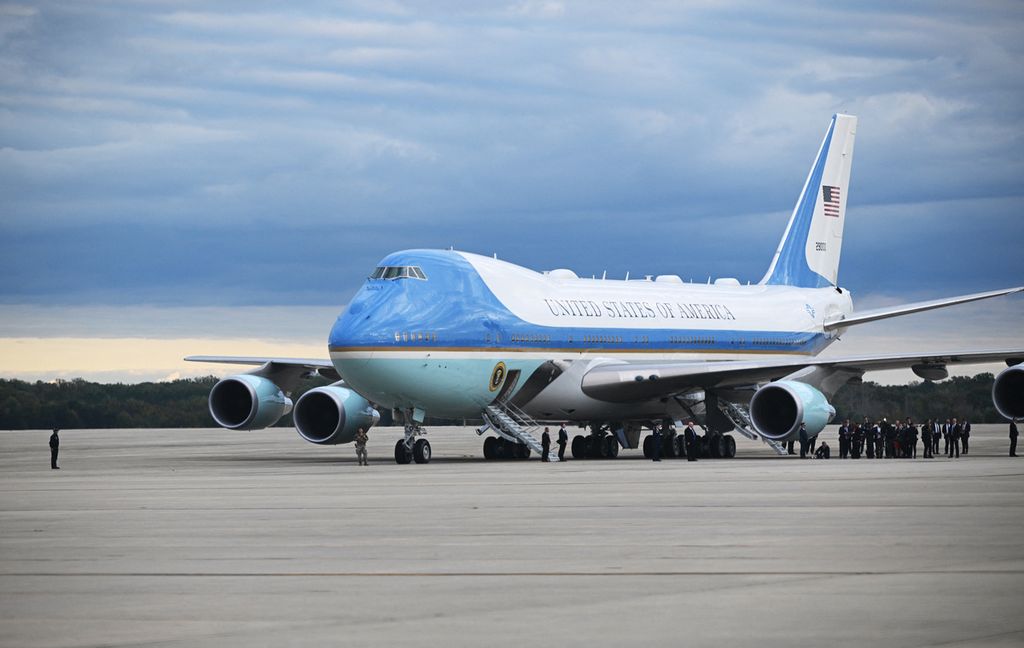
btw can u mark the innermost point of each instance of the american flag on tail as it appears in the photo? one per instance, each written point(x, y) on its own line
point(830, 195)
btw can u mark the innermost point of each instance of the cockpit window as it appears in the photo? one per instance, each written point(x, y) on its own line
point(398, 272)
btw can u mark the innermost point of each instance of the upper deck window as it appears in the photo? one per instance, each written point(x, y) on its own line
point(398, 272)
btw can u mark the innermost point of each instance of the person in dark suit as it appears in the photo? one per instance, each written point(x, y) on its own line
point(926, 437)
point(869, 438)
point(845, 434)
point(1013, 437)
point(965, 434)
point(936, 436)
point(954, 439)
point(563, 440)
point(805, 442)
point(54, 449)
point(656, 444)
point(545, 445)
point(945, 437)
point(690, 441)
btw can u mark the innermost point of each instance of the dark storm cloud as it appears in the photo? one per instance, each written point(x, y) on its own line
point(240, 153)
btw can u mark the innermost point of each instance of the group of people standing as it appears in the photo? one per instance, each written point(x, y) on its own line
point(899, 440)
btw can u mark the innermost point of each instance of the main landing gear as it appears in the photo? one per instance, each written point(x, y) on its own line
point(599, 444)
point(713, 445)
point(410, 449)
point(497, 448)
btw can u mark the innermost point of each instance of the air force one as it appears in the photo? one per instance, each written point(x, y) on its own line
point(454, 334)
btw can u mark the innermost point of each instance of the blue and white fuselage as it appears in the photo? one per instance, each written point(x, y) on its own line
point(433, 343)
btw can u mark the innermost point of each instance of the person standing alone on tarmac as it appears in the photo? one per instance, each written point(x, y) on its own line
point(361, 439)
point(54, 449)
point(563, 439)
point(1013, 437)
point(545, 445)
point(965, 434)
point(656, 444)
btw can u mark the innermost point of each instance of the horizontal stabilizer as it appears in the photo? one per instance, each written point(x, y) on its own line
point(875, 314)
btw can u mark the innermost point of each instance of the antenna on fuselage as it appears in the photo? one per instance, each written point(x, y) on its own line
point(627, 275)
point(603, 275)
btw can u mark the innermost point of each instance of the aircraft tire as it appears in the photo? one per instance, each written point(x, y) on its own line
point(611, 447)
point(669, 448)
point(522, 451)
point(421, 451)
point(715, 446)
point(579, 447)
point(402, 454)
point(490, 447)
point(649, 447)
point(728, 447)
point(680, 443)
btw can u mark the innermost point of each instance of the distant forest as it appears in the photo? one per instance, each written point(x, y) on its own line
point(182, 403)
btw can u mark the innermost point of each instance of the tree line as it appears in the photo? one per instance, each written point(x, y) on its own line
point(182, 403)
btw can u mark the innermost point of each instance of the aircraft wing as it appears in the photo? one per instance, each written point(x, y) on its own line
point(285, 371)
point(875, 314)
point(635, 382)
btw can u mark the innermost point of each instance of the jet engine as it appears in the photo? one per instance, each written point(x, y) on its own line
point(778, 409)
point(247, 402)
point(332, 414)
point(1008, 392)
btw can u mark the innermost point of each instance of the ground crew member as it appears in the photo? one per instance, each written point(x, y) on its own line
point(823, 452)
point(545, 445)
point(55, 448)
point(563, 439)
point(1013, 437)
point(804, 441)
point(965, 434)
point(690, 441)
point(361, 439)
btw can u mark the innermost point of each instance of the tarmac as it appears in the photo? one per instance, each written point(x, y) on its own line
point(213, 537)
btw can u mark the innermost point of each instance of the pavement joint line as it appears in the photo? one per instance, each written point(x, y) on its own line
point(502, 574)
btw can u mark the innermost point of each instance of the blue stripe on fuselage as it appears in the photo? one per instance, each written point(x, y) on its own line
point(454, 309)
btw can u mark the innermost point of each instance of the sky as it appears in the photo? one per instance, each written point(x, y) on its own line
point(220, 177)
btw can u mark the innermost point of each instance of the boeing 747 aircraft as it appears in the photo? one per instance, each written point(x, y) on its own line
point(455, 334)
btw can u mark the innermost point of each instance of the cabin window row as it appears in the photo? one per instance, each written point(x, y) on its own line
point(415, 336)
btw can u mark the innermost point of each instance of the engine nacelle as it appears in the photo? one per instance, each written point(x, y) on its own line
point(778, 409)
point(247, 402)
point(331, 415)
point(1008, 392)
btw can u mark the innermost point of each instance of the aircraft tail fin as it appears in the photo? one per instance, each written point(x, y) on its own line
point(808, 255)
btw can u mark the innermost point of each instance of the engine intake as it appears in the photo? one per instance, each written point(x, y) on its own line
point(1008, 392)
point(247, 402)
point(778, 409)
point(331, 415)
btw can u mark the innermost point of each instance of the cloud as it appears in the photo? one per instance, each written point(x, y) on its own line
point(213, 155)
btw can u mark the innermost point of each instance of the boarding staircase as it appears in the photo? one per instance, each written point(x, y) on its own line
point(513, 424)
point(740, 418)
